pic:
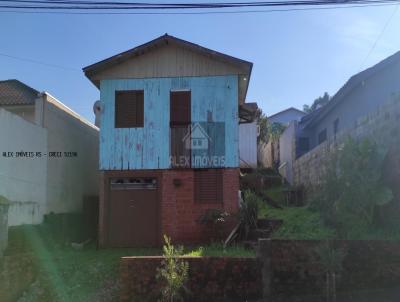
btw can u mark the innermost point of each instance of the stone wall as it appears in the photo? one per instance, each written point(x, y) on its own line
point(210, 279)
point(292, 268)
point(381, 125)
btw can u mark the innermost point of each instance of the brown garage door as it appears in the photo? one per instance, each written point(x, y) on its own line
point(133, 220)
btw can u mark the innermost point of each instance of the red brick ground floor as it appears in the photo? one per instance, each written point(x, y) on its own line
point(138, 207)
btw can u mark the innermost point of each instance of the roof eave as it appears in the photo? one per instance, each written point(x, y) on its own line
point(92, 69)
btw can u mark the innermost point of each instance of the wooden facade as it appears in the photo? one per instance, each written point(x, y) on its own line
point(212, 98)
point(181, 90)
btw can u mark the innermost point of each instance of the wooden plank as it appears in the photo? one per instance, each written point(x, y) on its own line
point(149, 147)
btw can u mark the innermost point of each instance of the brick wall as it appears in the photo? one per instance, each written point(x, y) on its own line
point(180, 214)
point(210, 279)
point(381, 125)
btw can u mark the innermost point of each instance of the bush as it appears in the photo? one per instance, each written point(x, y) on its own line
point(248, 212)
point(353, 189)
point(174, 272)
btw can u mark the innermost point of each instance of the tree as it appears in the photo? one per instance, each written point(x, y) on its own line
point(318, 103)
point(269, 131)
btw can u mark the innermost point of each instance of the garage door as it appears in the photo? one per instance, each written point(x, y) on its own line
point(133, 212)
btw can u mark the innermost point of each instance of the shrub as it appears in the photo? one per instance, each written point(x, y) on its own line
point(353, 188)
point(248, 212)
point(173, 271)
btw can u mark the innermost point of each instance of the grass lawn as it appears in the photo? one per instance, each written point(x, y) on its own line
point(298, 222)
point(37, 268)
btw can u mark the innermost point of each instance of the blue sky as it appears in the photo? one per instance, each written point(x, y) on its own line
point(297, 56)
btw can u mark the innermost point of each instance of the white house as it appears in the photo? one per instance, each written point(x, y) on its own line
point(48, 154)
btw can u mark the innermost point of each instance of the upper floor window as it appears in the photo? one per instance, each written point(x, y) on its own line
point(304, 144)
point(322, 136)
point(129, 109)
point(336, 126)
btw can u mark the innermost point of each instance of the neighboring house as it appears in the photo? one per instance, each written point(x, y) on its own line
point(361, 97)
point(151, 183)
point(48, 155)
point(286, 116)
point(248, 134)
point(269, 153)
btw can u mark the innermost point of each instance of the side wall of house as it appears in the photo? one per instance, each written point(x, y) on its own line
point(381, 125)
point(360, 101)
point(213, 98)
point(286, 117)
point(23, 179)
point(287, 151)
point(69, 179)
point(248, 145)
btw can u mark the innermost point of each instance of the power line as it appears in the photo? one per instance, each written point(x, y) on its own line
point(39, 62)
point(339, 6)
point(95, 5)
point(379, 36)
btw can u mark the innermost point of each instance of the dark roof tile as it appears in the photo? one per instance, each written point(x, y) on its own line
point(14, 92)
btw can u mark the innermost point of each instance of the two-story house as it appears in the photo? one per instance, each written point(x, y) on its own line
point(153, 99)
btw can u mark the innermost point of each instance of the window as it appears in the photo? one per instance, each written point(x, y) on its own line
point(129, 109)
point(180, 108)
point(322, 136)
point(180, 119)
point(208, 186)
point(336, 126)
point(304, 144)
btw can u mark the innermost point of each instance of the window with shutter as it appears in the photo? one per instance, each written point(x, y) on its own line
point(180, 108)
point(180, 119)
point(129, 109)
point(208, 186)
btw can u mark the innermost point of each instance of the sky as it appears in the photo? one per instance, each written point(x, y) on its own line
point(297, 55)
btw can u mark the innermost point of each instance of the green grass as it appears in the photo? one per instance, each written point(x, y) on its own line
point(276, 194)
point(58, 272)
point(217, 250)
point(298, 223)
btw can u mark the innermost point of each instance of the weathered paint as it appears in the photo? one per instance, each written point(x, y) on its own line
point(214, 97)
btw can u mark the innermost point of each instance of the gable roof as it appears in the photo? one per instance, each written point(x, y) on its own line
point(168, 56)
point(14, 92)
point(286, 110)
point(160, 41)
point(352, 83)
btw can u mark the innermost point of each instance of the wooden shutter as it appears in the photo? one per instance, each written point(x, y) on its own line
point(208, 186)
point(180, 108)
point(180, 120)
point(129, 109)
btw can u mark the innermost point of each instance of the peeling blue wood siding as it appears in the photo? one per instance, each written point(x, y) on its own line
point(149, 147)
